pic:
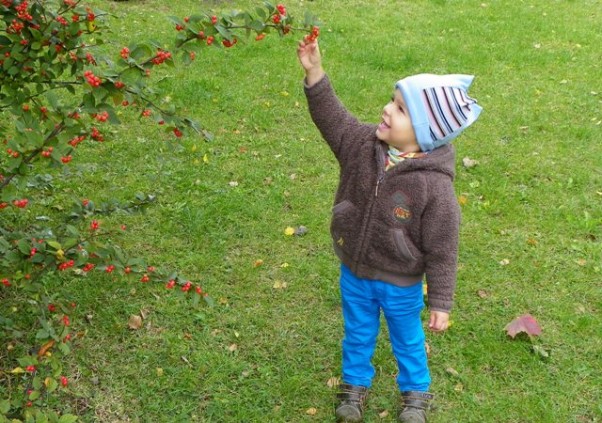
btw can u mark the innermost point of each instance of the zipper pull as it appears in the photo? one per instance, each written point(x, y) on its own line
point(378, 181)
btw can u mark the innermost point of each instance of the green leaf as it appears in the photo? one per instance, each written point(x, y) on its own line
point(67, 418)
point(42, 334)
point(4, 404)
point(54, 244)
point(52, 384)
point(24, 246)
point(225, 32)
point(34, 395)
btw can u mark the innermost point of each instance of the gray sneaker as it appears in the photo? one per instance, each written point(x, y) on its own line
point(414, 406)
point(352, 401)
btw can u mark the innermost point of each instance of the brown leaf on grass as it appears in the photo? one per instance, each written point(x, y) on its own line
point(383, 414)
point(525, 323)
point(311, 411)
point(45, 348)
point(135, 322)
point(482, 293)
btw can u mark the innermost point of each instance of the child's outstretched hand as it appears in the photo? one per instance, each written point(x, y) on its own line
point(311, 60)
point(439, 321)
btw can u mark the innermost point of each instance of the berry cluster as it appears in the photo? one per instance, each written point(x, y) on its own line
point(73, 142)
point(92, 79)
point(48, 152)
point(96, 135)
point(21, 203)
point(228, 43)
point(161, 57)
point(315, 32)
point(101, 117)
point(66, 265)
point(125, 53)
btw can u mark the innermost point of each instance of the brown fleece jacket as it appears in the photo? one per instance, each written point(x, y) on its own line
point(396, 226)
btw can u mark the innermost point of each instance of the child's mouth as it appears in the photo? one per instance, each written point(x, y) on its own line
point(383, 126)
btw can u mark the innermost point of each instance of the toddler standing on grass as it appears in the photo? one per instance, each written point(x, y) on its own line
point(395, 220)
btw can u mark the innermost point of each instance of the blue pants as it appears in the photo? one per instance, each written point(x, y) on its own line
point(362, 301)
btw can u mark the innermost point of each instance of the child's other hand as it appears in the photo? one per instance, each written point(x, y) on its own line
point(439, 321)
point(311, 60)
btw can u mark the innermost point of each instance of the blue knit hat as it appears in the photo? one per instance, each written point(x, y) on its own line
point(440, 108)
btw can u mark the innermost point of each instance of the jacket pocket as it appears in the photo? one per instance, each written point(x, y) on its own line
point(344, 226)
point(402, 245)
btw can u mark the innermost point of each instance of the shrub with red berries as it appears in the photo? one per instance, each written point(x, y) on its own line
point(57, 92)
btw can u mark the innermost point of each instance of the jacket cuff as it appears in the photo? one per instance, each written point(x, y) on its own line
point(317, 87)
point(436, 304)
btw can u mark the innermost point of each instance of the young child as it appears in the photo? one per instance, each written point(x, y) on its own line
point(395, 221)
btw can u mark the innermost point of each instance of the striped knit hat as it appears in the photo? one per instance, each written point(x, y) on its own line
point(439, 107)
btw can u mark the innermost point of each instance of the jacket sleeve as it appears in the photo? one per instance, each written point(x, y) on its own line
point(331, 117)
point(441, 226)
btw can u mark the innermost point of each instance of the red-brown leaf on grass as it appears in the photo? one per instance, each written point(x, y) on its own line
point(525, 323)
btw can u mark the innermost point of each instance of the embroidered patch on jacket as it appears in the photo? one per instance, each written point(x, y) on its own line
point(401, 207)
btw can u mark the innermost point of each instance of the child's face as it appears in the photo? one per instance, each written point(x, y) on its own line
point(396, 127)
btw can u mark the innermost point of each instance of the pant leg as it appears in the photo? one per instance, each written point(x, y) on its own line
point(361, 315)
point(402, 307)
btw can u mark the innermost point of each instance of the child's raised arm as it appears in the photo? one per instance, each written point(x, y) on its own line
point(311, 60)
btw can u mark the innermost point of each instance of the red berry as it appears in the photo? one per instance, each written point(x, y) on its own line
point(64, 381)
point(31, 369)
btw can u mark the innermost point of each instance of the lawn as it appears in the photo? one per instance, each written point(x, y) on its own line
point(269, 347)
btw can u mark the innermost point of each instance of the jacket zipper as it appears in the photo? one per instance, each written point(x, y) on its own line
point(379, 179)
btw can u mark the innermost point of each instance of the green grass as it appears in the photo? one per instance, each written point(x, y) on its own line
point(263, 354)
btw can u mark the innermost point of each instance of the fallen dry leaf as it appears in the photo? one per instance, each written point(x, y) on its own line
point(289, 231)
point(257, 263)
point(46, 347)
point(453, 372)
point(135, 322)
point(462, 200)
point(278, 284)
point(525, 323)
point(383, 414)
point(159, 372)
point(482, 293)
point(311, 411)
point(233, 348)
point(468, 162)
point(505, 262)
point(333, 382)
